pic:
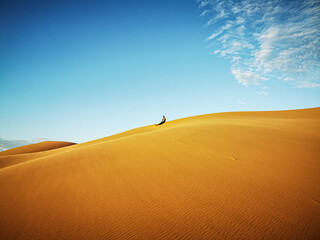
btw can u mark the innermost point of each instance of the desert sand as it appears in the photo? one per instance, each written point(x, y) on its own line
point(241, 175)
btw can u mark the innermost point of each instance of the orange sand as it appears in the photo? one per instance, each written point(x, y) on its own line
point(248, 175)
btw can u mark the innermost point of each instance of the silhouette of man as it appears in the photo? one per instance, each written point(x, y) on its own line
point(163, 120)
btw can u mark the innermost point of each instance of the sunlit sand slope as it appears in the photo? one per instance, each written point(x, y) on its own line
point(253, 175)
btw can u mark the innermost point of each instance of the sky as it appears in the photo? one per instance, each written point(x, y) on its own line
point(77, 70)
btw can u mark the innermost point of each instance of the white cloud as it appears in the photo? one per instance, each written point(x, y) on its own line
point(240, 20)
point(222, 29)
point(268, 39)
point(204, 13)
point(235, 59)
point(264, 93)
point(308, 85)
point(214, 35)
point(203, 3)
point(247, 77)
point(208, 23)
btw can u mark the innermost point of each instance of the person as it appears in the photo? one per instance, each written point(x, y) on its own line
point(163, 120)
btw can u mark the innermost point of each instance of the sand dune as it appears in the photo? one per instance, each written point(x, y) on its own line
point(29, 152)
point(37, 147)
point(248, 175)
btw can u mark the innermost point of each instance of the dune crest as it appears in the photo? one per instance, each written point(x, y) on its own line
point(242, 175)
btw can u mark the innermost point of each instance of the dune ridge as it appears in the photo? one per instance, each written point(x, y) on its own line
point(241, 175)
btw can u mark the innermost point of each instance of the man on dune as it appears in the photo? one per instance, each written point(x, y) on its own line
point(163, 121)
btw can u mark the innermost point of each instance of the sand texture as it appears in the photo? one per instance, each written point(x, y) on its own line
point(247, 175)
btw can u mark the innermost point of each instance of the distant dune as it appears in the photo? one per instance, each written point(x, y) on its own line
point(18, 155)
point(245, 175)
point(37, 147)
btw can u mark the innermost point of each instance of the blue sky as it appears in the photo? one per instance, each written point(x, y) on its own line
point(81, 70)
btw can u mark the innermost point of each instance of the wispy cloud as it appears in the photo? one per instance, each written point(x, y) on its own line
point(266, 40)
point(204, 13)
point(246, 77)
point(203, 3)
point(264, 93)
